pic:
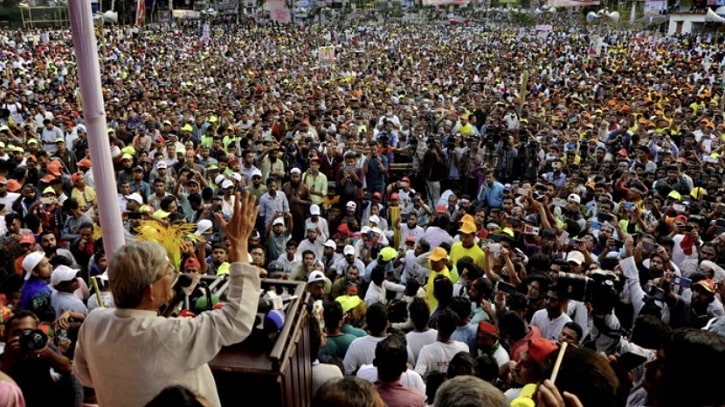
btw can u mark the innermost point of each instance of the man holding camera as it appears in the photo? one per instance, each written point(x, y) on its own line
point(28, 358)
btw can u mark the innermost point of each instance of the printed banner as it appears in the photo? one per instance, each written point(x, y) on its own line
point(278, 12)
point(326, 55)
point(653, 8)
point(140, 12)
point(571, 3)
point(445, 2)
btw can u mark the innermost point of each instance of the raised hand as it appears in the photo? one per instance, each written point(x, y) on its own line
point(240, 226)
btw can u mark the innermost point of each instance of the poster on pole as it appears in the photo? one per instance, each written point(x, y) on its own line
point(326, 55)
point(140, 12)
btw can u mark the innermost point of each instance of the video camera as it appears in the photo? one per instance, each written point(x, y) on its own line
point(601, 289)
point(33, 340)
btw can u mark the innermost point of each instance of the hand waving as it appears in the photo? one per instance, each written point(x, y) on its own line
point(240, 226)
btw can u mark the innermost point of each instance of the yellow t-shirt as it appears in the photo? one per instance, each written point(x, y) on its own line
point(475, 252)
point(429, 298)
point(85, 198)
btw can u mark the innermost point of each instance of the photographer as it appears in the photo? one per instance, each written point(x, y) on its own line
point(28, 358)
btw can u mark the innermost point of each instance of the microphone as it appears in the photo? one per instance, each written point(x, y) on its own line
point(184, 281)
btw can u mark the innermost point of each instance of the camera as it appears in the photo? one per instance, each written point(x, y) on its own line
point(599, 289)
point(33, 340)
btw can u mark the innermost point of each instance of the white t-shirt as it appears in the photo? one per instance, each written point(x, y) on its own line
point(436, 356)
point(550, 328)
point(416, 340)
point(362, 352)
point(409, 378)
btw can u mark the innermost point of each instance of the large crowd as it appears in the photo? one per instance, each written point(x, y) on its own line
point(460, 200)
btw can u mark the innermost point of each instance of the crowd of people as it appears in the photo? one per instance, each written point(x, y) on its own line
point(460, 201)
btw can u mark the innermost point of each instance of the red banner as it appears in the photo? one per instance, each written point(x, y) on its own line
point(140, 12)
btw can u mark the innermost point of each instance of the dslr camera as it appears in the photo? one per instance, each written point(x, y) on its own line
point(33, 340)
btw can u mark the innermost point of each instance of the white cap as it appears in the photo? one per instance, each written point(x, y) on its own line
point(256, 173)
point(351, 205)
point(161, 164)
point(136, 197)
point(576, 257)
point(219, 179)
point(574, 198)
point(377, 231)
point(227, 184)
point(314, 210)
point(315, 277)
point(374, 219)
point(237, 176)
point(295, 171)
point(62, 274)
point(331, 244)
point(278, 221)
point(203, 226)
point(31, 261)
point(349, 250)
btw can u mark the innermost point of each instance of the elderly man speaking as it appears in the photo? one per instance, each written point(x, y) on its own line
point(130, 353)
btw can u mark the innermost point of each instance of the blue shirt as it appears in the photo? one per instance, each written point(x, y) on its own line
point(492, 195)
point(35, 295)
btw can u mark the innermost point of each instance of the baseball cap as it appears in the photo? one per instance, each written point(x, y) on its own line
point(227, 184)
point(136, 197)
point(351, 205)
point(192, 262)
point(576, 257)
point(161, 164)
point(708, 285)
point(487, 328)
point(314, 210)
point(540, 349)
point(138, 168)
point(27, 238)
point(201, 227)
point(278, 221)
point(574, 198)
point(438, 254)
point(62, 274)
point(31, 261)
point(348, 250)
point(295, 171)
point(388, 254)
point(374, 219)
point(315, 276)
point(84, 163)
point(331, 244)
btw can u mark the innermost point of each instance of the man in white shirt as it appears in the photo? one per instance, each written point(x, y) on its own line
point(551, 319)
point(436, 356)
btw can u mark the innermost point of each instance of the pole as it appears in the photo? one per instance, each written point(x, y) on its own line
point(89, 76)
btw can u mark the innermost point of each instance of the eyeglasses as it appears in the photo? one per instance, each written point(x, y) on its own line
point(171, 272)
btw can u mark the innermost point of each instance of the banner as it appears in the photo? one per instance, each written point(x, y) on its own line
point(278, 12)
point(445, 2)
point(653, 8)
point(140, 12)
point(183, 14)
point(326, 55)
point(571, 3)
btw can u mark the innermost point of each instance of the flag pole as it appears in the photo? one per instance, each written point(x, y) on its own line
point(89, 78)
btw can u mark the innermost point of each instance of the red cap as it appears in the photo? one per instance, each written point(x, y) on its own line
point(405, 179)
point(377, 195)
point(488, 328)
point(47, 179)
point(540, 349)
point(53, 167)
point(410, 239)
point(344, 230)
point(681, 219)
point(84, 163)
point(27, 238)
point(441, 208)
point(708, 285)
point(192, 262)
point(74, 178)
point(394, 197)
point(352, 290)
point(159, 138)
point(623, 152)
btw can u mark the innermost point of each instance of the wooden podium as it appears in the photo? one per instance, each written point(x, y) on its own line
point(276, 371)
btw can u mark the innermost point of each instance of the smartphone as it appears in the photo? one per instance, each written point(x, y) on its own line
point(630, 360)
point(46, 201)
point(134, 215)
point(679, 208)
point(683, 282)
point(216, 208)
point(495, 248)
point(404, 217)
point(649, 247)
point(522, 191)
point(531, 230)
point(689, 228)
point(506, 287)
point(604, 217)
point(561, 203)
